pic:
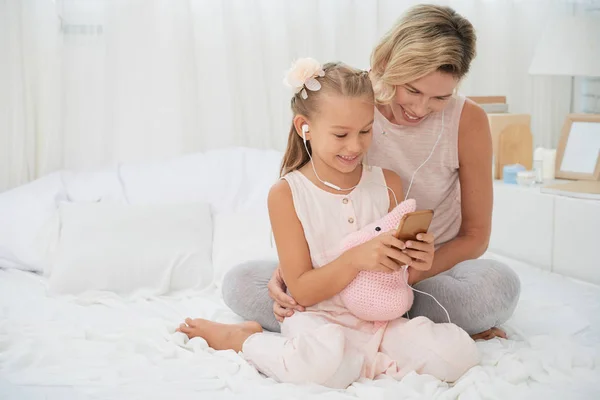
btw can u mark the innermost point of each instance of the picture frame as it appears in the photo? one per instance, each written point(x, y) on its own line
point(578, 152)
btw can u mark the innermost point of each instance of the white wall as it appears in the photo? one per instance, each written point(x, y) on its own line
point(590, 96)
point(587, 90)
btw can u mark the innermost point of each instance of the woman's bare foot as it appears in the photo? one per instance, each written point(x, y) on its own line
point(220, 336)
point(490, 334)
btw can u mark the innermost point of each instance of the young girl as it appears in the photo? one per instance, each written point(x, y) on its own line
point(325, 194)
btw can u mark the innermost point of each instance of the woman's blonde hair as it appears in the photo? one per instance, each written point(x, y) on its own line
point(427, 38)
point(339, 79)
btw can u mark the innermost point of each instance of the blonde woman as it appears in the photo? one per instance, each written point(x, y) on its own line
point(439, 144)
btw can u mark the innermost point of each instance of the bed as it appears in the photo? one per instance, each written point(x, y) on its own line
point(104, 346)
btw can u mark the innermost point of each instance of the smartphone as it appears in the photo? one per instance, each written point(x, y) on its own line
point(414, 223)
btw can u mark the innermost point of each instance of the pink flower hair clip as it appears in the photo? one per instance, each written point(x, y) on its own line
point(302, 76)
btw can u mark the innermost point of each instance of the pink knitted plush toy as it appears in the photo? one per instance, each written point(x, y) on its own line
point(378, 296)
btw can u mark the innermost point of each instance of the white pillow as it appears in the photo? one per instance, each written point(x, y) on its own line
point(94, 185)
point(240, 237)
point(23, 212)
point(230, 179)
point(126, 249)
point(26, 212)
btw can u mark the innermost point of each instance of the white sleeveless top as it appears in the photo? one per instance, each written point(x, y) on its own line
point(328, 217)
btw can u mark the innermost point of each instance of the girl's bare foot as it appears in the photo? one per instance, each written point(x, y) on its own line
point(220, 336)
point(490, 334)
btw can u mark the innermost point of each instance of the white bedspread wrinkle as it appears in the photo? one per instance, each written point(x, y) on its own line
point(106, 347)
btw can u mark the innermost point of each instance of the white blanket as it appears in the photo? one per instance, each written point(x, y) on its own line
point(104, 347)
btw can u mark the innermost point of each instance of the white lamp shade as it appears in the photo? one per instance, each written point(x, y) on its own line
point(569, 46)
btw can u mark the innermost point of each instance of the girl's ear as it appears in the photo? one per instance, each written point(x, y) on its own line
point(300, 120)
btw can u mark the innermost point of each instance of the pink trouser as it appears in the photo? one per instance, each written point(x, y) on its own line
point(337, 350)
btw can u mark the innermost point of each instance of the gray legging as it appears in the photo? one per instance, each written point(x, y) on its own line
point(478, 294)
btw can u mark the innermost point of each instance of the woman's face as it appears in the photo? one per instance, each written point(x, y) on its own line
point(415, 100)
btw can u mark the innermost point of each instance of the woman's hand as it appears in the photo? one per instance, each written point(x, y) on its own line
point(421, 251)
point(383, 253)
point(283, 304)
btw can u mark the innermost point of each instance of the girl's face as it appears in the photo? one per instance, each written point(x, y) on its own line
point(414, 101)
point(341, 131)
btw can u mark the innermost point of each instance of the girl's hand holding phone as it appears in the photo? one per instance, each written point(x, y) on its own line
point(383, 253)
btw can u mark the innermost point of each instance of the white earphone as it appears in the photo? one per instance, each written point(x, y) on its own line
point(304, 130)
point(428, 157)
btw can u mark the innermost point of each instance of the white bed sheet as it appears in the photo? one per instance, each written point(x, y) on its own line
point(105, 347)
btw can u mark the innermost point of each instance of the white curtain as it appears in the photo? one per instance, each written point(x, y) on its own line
point(88, 82)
